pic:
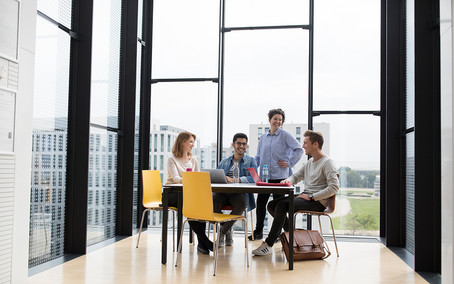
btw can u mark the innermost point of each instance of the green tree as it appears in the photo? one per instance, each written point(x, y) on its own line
point(369, 180)
point(353, 179)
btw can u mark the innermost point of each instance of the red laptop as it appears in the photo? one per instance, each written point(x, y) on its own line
point(258, 181)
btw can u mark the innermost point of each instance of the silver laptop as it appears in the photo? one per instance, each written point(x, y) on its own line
point(216, 175)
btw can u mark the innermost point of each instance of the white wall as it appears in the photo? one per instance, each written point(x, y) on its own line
point(23, 140)
point(447, 197)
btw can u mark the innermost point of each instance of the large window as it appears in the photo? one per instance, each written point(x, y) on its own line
point(136, 202)
point(50, 119)
point(104, 119)
point(353, 142)
point(180, 107)
point(347, 78)
point(183, 93)
point(264, 67)
point(347, 55)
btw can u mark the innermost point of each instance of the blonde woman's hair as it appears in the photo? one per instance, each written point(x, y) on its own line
point(177, 149)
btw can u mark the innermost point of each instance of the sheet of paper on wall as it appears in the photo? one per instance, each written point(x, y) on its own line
point(7, 114)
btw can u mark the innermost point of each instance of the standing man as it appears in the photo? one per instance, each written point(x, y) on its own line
point(320, 183)
point(239, 201)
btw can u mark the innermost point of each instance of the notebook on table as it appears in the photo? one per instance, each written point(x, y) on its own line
point(216, 175)
point(258, 181)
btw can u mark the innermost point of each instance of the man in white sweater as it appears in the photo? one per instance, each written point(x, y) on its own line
point(321, 182)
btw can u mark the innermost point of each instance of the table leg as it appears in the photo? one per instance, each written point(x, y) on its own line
point(165, 217)
point(290, 227)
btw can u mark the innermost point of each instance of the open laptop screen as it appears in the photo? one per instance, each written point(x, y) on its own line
point(216, 175)
point(258, 181)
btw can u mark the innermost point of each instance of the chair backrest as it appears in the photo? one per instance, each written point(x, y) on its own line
point(152, 188)
point(331, 202)
point(331, 205)
point(197, 196)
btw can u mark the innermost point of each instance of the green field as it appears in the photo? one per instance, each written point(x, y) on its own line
point(350, 192)
point(365, 215)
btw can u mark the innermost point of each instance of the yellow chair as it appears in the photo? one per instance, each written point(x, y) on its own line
point(152, 198)
point(198, 206)
point(328, 210)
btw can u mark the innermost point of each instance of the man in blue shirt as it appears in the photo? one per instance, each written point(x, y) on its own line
point(238, 201)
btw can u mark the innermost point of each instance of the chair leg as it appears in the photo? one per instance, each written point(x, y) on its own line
point(173, 229)
point(216, 246)
point(252, 225)
point(245, 217)
point(320, 225)
point(294, 221)
point(180, 241)
point(334, 235)
point(246, 241)
point(141, 224)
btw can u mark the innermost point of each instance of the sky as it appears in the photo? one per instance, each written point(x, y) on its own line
point(269, 69)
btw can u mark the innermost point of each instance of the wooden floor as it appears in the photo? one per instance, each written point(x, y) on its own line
point(122, 262)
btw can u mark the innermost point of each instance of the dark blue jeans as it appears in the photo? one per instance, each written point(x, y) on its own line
point(236, 200)
point(278, 208)
point(262, 200)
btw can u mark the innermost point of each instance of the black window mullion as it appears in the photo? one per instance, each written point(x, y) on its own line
point(79, 130)
point(145, 100)
point(127, 107)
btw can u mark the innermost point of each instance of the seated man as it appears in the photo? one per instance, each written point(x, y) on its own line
point(238, 201)
point(321, 182)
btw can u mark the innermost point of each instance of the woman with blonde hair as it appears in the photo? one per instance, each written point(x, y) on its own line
point(181, 161)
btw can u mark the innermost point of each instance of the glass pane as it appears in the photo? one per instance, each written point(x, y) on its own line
point(266, 13)
point(177, 107)
point(264, 70)
point(105, 62)
point(136, 137)
point(347, 55)
point(50, 119)
point(354, 145)
point(410, 122)
point(140, 19)
point(185, 39)
point(410, 65)
point(58, 10)
point(102, 179)
point(180, 107)
point(410, 192)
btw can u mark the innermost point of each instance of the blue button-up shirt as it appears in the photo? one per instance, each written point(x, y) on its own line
point(245, 177)
point(278, 146)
